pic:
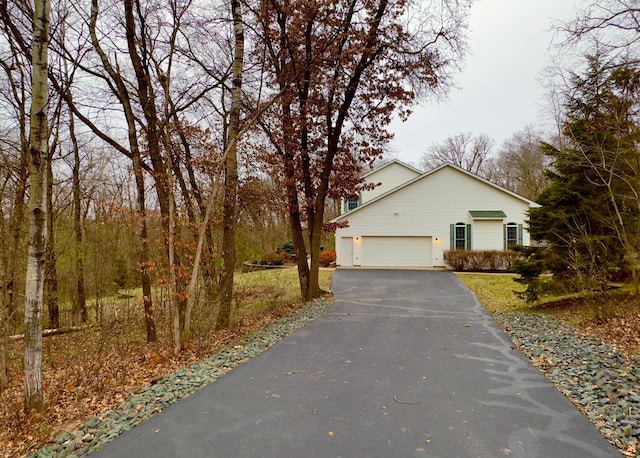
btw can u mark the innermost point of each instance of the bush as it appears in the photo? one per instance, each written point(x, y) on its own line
point(287, 247)
point(120, 273)
point(481, 260)
point(327, 257)
point(272, 259)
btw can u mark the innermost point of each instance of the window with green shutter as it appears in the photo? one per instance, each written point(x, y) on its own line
point(460, 236)
point(513, 235)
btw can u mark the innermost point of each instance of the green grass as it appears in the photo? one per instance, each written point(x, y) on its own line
point(263, 289)
point(496, 292)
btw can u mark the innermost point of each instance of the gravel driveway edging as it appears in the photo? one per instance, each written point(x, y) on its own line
point(599, 379)
point(154, 398)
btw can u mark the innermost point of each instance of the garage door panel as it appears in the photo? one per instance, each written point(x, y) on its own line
point(396, 251)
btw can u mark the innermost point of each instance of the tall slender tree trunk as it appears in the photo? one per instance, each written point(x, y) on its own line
point(10, 280)
point(80, 303)
point(51, 272)
point(140, 60)
point(34, 290)
point(4, 343)
point(123, 95)
point(143, 254)
point(231, 173)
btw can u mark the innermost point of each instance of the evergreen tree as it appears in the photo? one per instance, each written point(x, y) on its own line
point(590, 211)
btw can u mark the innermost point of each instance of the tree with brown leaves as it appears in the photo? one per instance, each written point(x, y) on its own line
point(344, 69)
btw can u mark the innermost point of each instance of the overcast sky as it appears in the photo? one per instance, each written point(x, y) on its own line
point(500, 89)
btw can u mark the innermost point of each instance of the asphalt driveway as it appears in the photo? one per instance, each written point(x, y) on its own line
point(407, 363)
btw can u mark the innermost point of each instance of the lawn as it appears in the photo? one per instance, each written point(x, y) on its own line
point(614, 318)
point(496, 292)
point(263, 289)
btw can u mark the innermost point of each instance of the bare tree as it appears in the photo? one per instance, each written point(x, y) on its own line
point(464, 150)
point(613, 24)
point(344, 69)
point(231, 171)
point(38, 138)
point(521, 163)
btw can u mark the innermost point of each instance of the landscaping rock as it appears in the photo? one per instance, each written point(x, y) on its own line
point(600, 380)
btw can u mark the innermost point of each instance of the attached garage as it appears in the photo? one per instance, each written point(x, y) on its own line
point(396, 251)
point(415, 223)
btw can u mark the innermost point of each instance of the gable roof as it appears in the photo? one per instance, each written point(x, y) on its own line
point(426, 175)
point(395, 161)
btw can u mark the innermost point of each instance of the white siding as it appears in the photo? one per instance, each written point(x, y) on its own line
point(389, 177)
point(487, 235)
point(429, 205)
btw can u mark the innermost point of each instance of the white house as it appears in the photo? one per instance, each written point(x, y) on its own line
point(386, 177)
point(410, 219)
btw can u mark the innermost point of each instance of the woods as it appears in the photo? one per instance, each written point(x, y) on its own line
point(168, 142)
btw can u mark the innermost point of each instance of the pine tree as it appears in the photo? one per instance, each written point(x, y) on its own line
point(590, 212)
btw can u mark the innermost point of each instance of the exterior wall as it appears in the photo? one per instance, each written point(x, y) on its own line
point(428, 206)
point(389, 177)
point(487, 235)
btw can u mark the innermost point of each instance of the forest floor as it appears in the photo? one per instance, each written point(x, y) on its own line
point(89, 372)
point(101, 371)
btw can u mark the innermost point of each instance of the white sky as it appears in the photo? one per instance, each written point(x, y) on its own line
point(500, 89)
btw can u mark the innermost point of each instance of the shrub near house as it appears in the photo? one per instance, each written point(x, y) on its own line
point(327, 258)
point(481, 260)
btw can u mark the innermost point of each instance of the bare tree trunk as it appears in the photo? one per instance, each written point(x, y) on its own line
point(4, 331)
point(4, 346)
point(178, 336)
point(51, 273)
point(122, 93)
point(34, 290)
point(80, 302)
point(231, 173)
point(143, 254)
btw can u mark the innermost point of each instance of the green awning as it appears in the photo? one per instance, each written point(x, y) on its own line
point(487, 214)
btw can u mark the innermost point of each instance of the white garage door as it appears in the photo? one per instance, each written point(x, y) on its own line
point(397, 251)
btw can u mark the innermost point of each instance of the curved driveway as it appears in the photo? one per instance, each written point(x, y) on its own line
point(407, 364)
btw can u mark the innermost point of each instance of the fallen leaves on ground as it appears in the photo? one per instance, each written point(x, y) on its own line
point(89, 372)
point(621, 331)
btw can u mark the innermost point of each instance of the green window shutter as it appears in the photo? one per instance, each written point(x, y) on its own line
point(504, 236)
point(520, 234)
point(468, 234)
point(452, 236)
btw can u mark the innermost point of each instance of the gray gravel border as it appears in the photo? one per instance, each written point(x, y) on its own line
point(599, 379)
